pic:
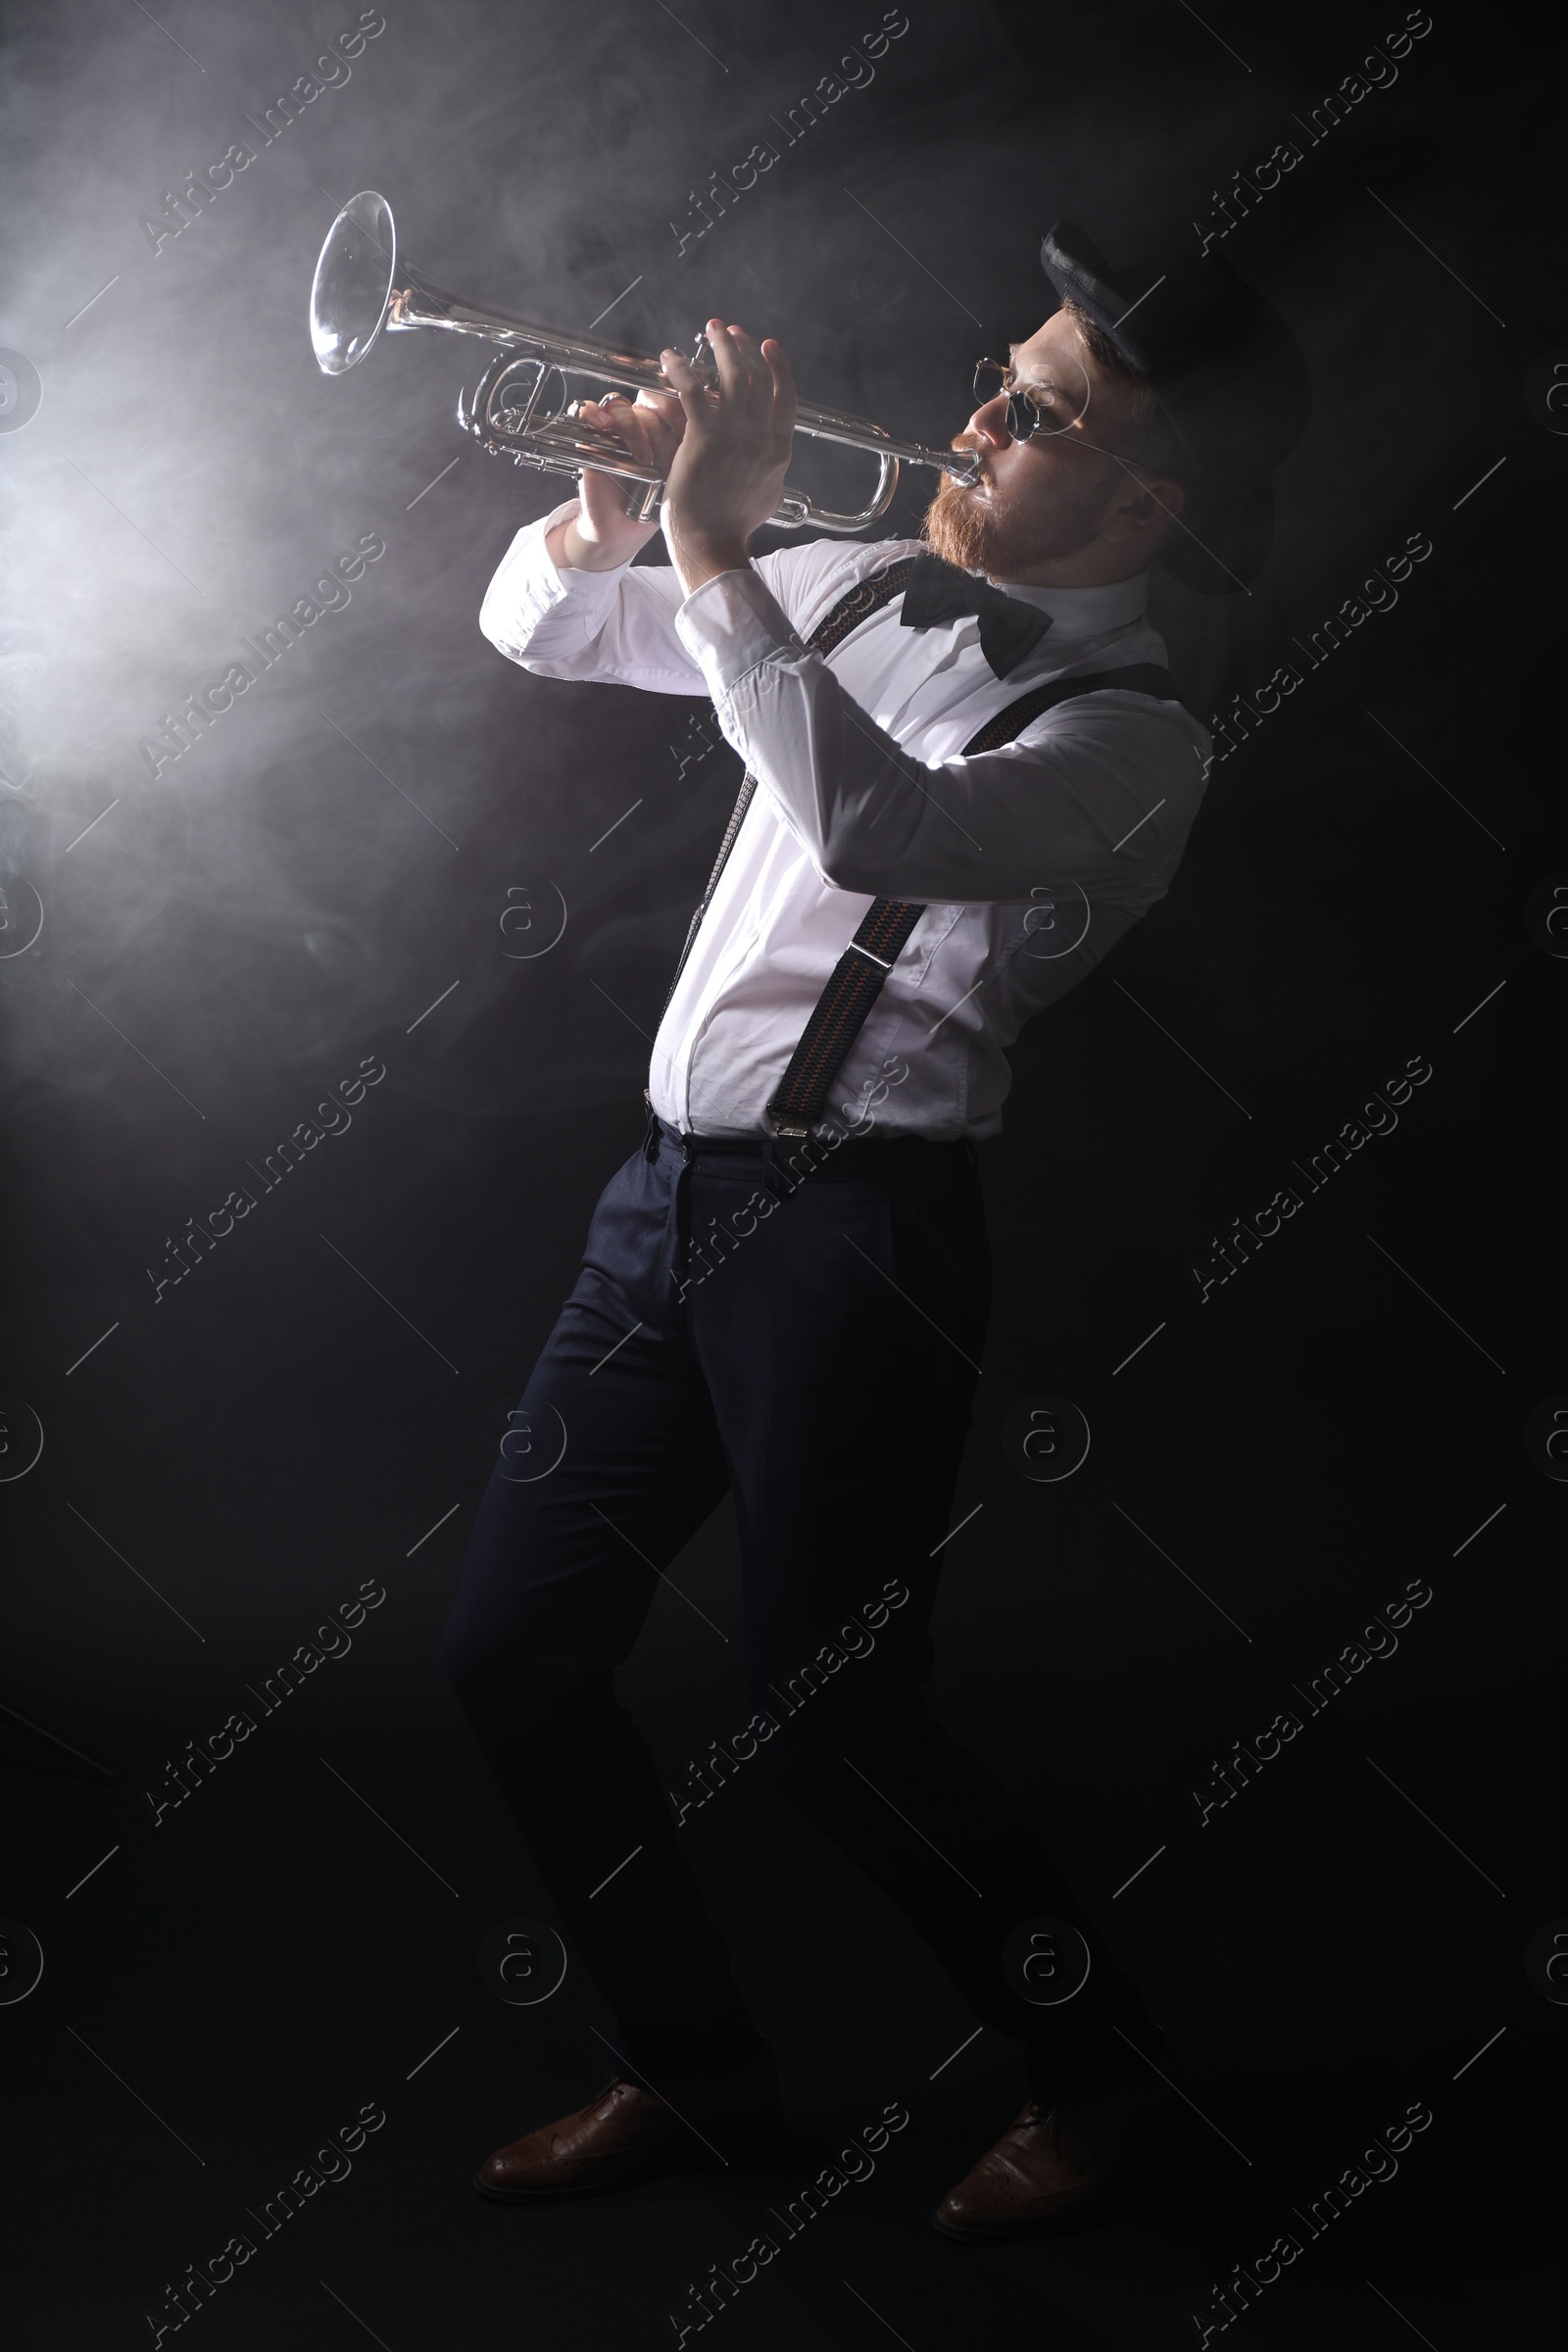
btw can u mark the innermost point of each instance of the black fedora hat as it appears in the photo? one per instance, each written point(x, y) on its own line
point(1229, 376)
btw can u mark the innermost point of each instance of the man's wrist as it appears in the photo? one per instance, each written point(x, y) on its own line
point(570, 551)
point(698, 560)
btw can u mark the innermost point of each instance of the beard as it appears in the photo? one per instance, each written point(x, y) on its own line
point(995, 536)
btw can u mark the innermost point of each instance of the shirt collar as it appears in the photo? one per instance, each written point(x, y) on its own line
point(1085, 611)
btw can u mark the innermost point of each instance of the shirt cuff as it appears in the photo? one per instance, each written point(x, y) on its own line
point(527, 588)
point(730, 625)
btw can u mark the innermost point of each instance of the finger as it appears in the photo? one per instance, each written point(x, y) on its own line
point(623, 419)
point(685, 382)
point(727, 360)
point(759, 385)
point(761, 400)
point(651, 443)
point(663, 414)
point(785, 403)
point(664, 432)
point(679, 372)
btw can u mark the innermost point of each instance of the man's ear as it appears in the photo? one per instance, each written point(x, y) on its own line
point(1150, 502)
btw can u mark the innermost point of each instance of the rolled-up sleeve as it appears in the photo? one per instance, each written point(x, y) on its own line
point(1099, 792)
point(612, 625)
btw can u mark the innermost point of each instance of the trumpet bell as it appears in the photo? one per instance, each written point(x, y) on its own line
point(352, 289)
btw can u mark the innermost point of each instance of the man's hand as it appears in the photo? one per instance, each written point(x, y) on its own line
point(603, 536)
point(729, 469)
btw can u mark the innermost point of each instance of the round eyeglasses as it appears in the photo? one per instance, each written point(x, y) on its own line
point(993, 380)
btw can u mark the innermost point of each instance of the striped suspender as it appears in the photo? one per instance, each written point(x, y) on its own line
point(861, 973)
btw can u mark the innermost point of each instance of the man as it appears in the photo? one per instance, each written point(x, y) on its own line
point(785, 1289)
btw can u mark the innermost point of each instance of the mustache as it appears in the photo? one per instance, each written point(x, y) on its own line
point(967, 440)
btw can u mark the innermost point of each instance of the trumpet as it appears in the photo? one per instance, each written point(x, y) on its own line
point(524, 406)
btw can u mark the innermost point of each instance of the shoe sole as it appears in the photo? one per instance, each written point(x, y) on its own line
point(553, 2196)
point(1097, 2205)
point(748, 2159)
point(1060, 2225)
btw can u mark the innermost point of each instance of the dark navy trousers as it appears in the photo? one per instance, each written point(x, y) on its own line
point(812, 1348)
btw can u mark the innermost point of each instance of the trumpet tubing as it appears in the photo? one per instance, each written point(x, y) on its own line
point(524, 406)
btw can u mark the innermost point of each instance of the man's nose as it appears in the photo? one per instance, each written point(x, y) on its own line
point(989, 424)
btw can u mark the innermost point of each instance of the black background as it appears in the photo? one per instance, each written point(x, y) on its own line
point(237, 932)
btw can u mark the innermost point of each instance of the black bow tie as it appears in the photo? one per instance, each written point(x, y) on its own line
point(1009, 629)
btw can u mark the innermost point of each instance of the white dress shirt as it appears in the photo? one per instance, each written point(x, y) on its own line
point(1032, 861)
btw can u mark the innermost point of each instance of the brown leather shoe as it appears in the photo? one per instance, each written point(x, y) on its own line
point(629, 2134)
point(1059, 2168)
